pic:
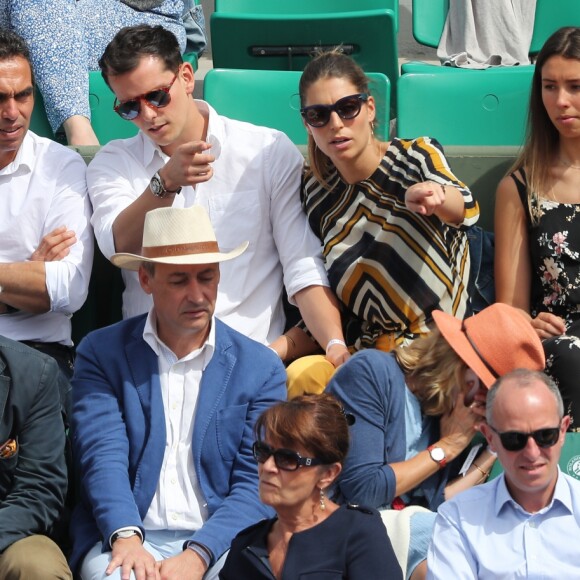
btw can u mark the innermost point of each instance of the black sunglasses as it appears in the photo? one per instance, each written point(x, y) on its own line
point(346, 108)
point(516, 440)
point(156, 99)
point(285, 459)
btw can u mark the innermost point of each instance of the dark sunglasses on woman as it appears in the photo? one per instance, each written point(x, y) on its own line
point(346, 108)
point(156, 99)
point(516, 440)
point(285, 459)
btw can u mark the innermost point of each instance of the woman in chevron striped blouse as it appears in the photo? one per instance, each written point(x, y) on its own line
point(391, 216)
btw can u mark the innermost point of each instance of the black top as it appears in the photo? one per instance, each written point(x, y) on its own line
point(352, 543)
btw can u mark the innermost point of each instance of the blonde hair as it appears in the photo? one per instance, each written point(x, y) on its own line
point(436, 371)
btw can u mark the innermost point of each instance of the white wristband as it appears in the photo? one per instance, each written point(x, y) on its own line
point(334, 341)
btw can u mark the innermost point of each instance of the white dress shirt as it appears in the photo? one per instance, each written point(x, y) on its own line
point(253, 195)
point(178, 503)
point(483, 533)
point(42, 189)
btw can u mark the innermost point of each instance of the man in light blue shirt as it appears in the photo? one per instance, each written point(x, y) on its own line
point(525, 523)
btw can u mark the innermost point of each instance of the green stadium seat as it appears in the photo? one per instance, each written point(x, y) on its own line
point(270, 98)
point(286, 41)
point(38, 121)
point(488, 109)
point(306, 6)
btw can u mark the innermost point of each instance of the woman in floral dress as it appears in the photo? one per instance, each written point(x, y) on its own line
point(537, 216)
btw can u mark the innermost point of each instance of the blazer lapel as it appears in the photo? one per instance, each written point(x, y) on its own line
point(214, 383)
point(144, 369)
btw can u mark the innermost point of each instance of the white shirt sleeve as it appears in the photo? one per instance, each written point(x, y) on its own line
point(299, 249)
point(67, 280)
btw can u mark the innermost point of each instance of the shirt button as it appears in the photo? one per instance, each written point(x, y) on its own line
point(174, 517)
point(532, 524)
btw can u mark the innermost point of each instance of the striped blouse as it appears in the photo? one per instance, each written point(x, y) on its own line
point(389, 266)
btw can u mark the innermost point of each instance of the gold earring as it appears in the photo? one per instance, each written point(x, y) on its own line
point(322, 502)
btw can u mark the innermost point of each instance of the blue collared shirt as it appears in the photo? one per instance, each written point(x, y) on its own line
point(483, 533)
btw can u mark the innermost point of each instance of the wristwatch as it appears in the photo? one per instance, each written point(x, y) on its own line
point(123, 535)
point(437, 455)
point(158, 187)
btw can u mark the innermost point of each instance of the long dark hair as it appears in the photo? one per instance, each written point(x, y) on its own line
point(328, 64)
point(542, 137)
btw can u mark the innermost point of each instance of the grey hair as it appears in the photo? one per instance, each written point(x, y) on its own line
point(523, 378)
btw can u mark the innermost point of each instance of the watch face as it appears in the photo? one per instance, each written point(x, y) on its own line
point(437, 454)
point(156, 186)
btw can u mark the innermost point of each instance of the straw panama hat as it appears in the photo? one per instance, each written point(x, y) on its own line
point(177, 236)
point(497, 340)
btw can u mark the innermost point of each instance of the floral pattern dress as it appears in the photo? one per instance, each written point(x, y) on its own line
point(554, 242)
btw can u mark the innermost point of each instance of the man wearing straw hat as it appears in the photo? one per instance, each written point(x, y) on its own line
point(526, 522)
point(164, 406)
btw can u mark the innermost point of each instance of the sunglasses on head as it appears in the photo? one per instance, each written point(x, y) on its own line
point(346, 108)
point(156, 99)
point(285, 459)
point(516, 440)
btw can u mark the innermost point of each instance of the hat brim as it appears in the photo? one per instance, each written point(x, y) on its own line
point(450, 328)
point(134, 261)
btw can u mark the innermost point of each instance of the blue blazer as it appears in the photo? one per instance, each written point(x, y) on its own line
point(119, 433)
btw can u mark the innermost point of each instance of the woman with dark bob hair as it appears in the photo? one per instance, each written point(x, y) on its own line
point(300, 448)
point(537, 216)
point(391, 216)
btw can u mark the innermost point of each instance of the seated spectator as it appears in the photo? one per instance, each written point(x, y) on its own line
point(418, 409)
point(300, 447)
point(523, 523)
point(33, 476)
point(67, 38)
point(391, 217)
point(247, 177)
point(164, 407)
point(537, 218)
point(46, 240)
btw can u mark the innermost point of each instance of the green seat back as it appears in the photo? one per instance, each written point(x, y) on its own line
point(485, 107)
point(428, 21)
point(569, 459)
point(286, 41)
point(551, 15)
point(270, 98)
point(305, 6)
point(38, 121)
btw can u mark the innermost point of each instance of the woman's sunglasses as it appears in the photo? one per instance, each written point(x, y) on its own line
point(516, 440)
point(156, 99)
point(346, 108)
point(285, 459)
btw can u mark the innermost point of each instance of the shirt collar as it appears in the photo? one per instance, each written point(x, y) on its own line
point(25, 156)
point(215, 135)
point(561, 495)
point(151, 337)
